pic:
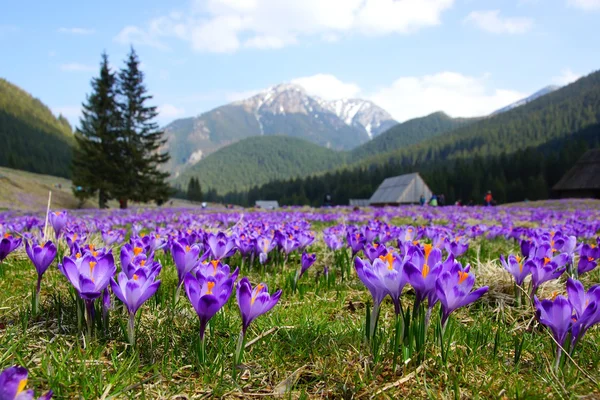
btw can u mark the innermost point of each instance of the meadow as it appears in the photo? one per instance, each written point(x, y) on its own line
point(527, 332)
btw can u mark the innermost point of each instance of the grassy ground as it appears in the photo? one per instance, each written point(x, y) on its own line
point(310, 346)
point(26, 191)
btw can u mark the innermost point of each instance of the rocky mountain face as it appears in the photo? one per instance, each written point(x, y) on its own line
point(280, 110)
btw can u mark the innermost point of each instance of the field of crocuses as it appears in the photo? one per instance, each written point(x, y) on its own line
point(415, 302)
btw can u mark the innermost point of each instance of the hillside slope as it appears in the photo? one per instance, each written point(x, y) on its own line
point(258, 160)
point(411, 132)
point(32, 138)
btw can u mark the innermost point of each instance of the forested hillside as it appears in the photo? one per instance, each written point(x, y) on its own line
point(525, 174)
point(258, 160)
point(32, 138)
point(411, 132)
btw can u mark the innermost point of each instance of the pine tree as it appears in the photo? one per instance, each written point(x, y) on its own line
point(94, 166)
point(194, 191)
point(140, 180)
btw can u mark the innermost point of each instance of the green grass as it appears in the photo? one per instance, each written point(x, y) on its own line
point(311, 344)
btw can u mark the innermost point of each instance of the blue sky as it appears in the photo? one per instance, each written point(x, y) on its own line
point(412, 57)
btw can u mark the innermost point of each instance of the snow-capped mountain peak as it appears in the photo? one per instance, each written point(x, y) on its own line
point(289, 98)
point(536, 95)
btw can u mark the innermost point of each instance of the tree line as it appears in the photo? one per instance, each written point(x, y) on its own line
point(527, 174)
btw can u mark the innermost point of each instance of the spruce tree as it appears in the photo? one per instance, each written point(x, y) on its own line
point(142, 140)
point(95, 166)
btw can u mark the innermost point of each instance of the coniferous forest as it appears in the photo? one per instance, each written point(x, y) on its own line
point(527, 174)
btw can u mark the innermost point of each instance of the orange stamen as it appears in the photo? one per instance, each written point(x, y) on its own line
point(78, 255)
point(137, 250)
point(210, 286)
point(425, 271)
point(92, 266)
point(462, 276)
point(427, 248)
point(256, 292)
point(187, 248)
point(215, 263)
point(135, 277)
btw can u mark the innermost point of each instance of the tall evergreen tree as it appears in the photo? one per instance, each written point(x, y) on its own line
point(141, 155)
point(95, 166)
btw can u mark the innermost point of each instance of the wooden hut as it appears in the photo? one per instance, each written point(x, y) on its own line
point(583, 180)
point(403, 189)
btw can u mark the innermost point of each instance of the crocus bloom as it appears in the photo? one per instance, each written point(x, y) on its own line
point(13, 381)
point(58, 220)
point(543, 270)
point(133, 293)
point(8, 244)
point(128, 252)
point(220, 245)
point(89, 275)
point(517, 268)
point(557, 315)
point(185, 258)
point(457, 247)
point(390, 272)
point(373, 251)
point(110, 237)
point(254, 302)
point(588, 257)
point(365, 273)
point(586, 306)
point(453, 289)
point(307, 261)
point(41, 257)
point(208, 294)
point(356, 241)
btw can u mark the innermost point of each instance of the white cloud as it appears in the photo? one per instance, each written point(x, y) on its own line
point(227, 25)
point(491, 21)
point(585, 4)
point(327, 86)
point(566, 76)
point(77, 31)
point(170, 111)
point(77, 67)
point(136, 36)
point(456, 94)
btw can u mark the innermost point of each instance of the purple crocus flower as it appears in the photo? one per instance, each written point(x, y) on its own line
point(220, 245)
point(128, 252)
point(557, 315)
point(208, 294)
point(588, 257)
point(390, 271)
point(453, 289)
point(185, 258)
point(89, 275)
point(41, 257)
point(586, 306)
point(111, 237)
point(13, 381)
point(365, 273)
point(254, 302)
point(133, 293)
point(8, 244)
point(422, 278)
point(356, 241)
point(307, 261)
point(456, 247)
point(373, 251)
point(58, 220)
point(543, 270)
point(517, 268)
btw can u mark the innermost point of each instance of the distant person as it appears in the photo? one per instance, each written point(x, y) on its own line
point(442, 200)
point(422, 199)
point(471, 203)
point(458, 203)
point(488, 200)
point(327, 201)
point(433, 202)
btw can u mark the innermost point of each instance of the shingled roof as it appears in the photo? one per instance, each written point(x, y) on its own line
point(585, 175)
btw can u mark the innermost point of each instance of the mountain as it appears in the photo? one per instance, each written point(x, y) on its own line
point(217, 164)
point(536, 95)
point(258, 160)
point(465, 159)
point(410, 132)
point(280, 110)
point(32, 138)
